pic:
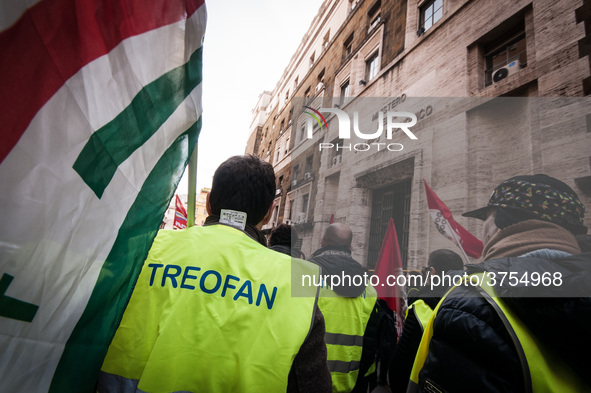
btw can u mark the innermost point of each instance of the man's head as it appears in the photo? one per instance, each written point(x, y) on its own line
point(246, 184)
point(444, 260)
point(337, 234)
point(528, 197)
point(283, 235)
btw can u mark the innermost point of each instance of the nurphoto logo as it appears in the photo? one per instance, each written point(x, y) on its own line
point(393, 121)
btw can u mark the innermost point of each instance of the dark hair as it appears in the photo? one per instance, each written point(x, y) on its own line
point(284, 235)
point(445, 260)
point(243, 183)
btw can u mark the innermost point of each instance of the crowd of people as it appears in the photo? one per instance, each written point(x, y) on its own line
point(214, 308)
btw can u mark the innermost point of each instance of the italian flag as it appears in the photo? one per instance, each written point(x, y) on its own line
point(100, 109)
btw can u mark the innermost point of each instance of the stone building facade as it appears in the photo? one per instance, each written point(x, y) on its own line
point(498, 88)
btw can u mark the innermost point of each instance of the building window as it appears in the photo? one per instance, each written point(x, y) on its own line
point(309, 164)
point(352, 5)
point(296, 172)
point(431, 12)
point(374, 22)
point(374, 15)
point(275, 215)
point(320, 84)
point(345, 90)
point(371, 66)
point(312, 58)
point(303, 132)
point(295, 83)
point(337, 153)
point(505, 56)
point(348, 46)
point(326, 39)
point(307, 96)
point(305, 200)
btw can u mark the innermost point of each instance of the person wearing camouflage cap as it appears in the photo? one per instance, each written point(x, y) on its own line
point(530, 213)
point(511, 332)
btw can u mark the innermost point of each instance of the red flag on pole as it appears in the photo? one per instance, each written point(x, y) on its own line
point(390, 264)
point(448, 227)
point(180, 214)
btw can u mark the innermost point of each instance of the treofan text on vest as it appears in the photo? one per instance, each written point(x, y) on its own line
point(210, 282)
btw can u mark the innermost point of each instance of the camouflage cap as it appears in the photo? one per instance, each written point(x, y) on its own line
point(541, 197)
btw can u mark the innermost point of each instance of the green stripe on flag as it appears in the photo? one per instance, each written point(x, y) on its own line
point(14, 308)
point(111, 145)
point(87, 346)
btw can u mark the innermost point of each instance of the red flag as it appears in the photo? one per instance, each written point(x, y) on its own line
point(180, 215)
point(390, 264)
point(447, 226)
point(331, 219)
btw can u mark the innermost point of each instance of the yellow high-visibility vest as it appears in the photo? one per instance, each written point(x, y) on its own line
point(345, 319)
point(543, 372)
point(422, 312)
point(212, 311)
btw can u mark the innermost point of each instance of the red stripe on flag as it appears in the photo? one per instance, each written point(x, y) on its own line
point(389, 263)
point(54, 39)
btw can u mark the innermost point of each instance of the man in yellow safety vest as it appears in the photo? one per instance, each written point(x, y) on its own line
point(214, 310)
point(355, 321)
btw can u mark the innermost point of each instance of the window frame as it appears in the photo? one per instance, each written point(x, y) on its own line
point(372, 65)
point(423, 12)
point(516, 37)
point(348, 45)
point(345, 90)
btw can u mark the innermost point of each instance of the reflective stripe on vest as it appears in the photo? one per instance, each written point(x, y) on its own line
point(212, 311)
point(345, 320)
point(543, 372)
point(422, 312)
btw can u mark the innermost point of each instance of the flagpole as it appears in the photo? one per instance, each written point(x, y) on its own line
point(192, 186)
point(455, 235)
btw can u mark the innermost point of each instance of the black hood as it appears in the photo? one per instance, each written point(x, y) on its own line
point(336, 260)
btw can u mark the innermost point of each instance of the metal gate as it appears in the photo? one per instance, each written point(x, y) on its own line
point(392, 201)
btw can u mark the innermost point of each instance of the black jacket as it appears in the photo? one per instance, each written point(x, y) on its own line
point(471, 350)
point(335, 260)
point(406, 349)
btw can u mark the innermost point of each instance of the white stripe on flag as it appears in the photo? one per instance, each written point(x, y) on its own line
point(60, 230)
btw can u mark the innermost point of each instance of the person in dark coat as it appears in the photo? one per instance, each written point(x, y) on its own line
point(440, 262)
point(334, 257)
point(530, 224)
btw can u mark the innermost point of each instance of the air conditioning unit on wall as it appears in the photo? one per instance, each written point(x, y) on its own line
point(503, 72)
